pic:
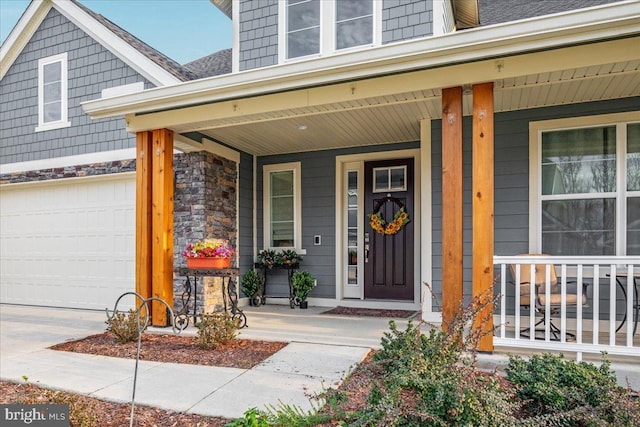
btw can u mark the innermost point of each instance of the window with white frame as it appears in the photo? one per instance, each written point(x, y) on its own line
point(354, 23)
point(587, 193)
point(321, 27)
point(52, 93)
point(282, 217)
point(303, 28)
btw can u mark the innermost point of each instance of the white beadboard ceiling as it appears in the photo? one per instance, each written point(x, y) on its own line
point(396, 118)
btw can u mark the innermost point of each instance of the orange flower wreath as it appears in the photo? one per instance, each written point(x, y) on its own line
point(382, 227)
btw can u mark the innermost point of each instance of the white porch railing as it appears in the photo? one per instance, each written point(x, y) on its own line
point(605, 322)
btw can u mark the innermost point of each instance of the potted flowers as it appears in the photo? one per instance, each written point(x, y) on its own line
point(203, 254)
point(267, 258)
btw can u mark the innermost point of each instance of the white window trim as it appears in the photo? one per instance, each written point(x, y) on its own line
point(297, 204)
point(327, 38)
point(620, 120)
point(63, 122)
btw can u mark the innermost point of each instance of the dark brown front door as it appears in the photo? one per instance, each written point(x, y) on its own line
point(388, 271)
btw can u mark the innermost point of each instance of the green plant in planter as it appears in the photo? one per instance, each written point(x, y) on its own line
point(252, 286)
point(302, 283)
point(267, 258)
point(288, 257)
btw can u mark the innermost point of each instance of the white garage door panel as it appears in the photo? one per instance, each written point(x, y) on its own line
point(69, 243)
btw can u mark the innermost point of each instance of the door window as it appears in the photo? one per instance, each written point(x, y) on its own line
point(390, 179)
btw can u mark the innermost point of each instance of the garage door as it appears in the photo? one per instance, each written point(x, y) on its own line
point(68, 243)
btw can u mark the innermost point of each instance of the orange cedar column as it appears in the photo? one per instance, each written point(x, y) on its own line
point(144, 144)
point(451, 203)
point(162, 223)
point(483, 166)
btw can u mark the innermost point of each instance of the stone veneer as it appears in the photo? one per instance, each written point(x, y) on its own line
point(204, 209)
point(78, 171)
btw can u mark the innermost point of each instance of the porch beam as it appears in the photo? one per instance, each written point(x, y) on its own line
point(483, 196)
point(162, 223)
point(451, 204)
point(144, 144)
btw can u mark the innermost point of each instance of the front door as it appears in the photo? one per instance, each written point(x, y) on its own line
point(388, 249)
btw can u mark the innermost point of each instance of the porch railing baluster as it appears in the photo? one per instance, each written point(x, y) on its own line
point(579, 306)
point(503, 301)
point(630, 303)
point(612, 305)
point(581, 316)
point(596, 305)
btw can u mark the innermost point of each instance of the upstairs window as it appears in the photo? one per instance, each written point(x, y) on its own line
point(354, 23)
point(323, 27)
point(52, 93)
point(303, 28)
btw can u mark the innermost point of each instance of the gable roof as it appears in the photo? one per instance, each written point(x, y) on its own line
point(156, 56)
point(211, 65)
point(150, 63)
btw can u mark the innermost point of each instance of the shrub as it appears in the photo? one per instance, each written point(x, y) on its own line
point(126, 326)
point(216, 329)
point(302, 283)
point(428, 382)
point(252, 282)
point(81, 414)
point(579, 392)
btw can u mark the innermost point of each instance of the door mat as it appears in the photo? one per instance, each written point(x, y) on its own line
point(371, 312)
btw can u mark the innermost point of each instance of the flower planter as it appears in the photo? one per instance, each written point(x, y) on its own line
point(208, 262)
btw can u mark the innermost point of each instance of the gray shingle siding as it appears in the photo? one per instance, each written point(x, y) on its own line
point(318, 176)
point(91, 68)
point(258, 33)
point(405, 20)
point(511, 179)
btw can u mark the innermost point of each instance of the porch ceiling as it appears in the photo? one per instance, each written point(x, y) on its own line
point(396, 118)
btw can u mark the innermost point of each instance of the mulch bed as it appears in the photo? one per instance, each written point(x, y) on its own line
point(103, 413)
point(370, 312)
point(237, 353)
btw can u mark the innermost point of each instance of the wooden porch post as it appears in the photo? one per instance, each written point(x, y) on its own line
point(144, 144)
point(483, 171)
point(451, 203)
point(162, 223)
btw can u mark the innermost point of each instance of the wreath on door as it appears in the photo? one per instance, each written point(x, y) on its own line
point(380, 225)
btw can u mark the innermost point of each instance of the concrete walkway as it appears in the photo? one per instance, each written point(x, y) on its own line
point(321, 352)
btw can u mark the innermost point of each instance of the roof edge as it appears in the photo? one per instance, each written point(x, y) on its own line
point(603, 23)
point(22, 32)
point(36, 12)
point(225, 6)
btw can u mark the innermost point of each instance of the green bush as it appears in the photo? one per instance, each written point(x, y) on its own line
point(252, 282)
point(125, 326)
point(302, 283)
point(216, 329)
point(580, 393)
point(426, 383)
